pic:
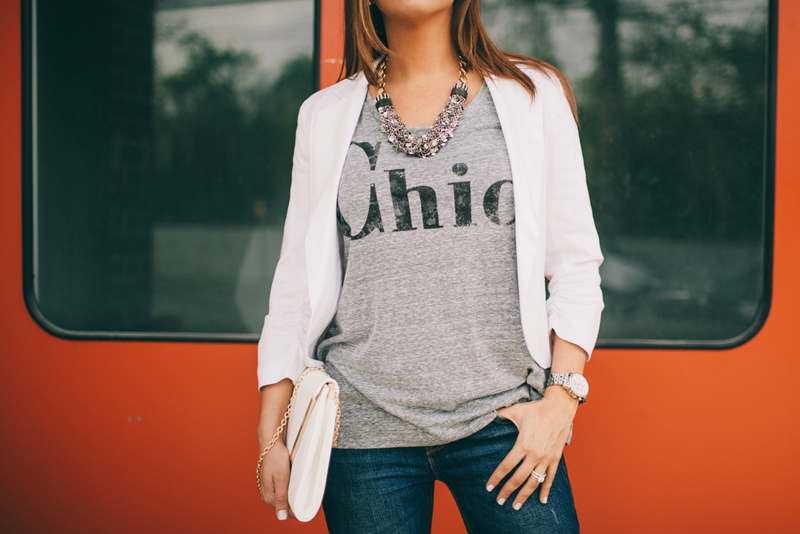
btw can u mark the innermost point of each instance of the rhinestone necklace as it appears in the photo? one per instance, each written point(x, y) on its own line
point(438, 134)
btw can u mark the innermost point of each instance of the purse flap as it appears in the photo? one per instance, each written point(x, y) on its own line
point(310, 386)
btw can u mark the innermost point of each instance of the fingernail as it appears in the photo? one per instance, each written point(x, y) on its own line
point(501, 501)
point(517, 505)
point(490, 487)
point(544, 499)
point(282, 515)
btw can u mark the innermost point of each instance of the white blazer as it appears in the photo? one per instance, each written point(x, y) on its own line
point(555, 232)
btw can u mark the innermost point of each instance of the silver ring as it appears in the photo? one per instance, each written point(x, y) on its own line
point(538, 476)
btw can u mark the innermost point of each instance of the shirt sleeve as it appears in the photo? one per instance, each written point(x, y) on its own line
point(572, 257)
point(281, 348)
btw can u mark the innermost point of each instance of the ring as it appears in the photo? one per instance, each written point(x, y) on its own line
point(538, 476)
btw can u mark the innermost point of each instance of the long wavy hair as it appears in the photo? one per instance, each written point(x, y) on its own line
point(365, 40)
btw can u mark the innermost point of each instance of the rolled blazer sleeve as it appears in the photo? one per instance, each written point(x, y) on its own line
point(572, 255)
point(281, 348)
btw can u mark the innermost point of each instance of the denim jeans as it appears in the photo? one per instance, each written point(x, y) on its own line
point(373, 491)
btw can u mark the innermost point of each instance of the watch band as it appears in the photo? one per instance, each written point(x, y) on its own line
point(562, 379)
point(558, 379)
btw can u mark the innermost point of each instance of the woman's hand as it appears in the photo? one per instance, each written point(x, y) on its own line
point(275, 467)
point(275, 479)
point(543, 426)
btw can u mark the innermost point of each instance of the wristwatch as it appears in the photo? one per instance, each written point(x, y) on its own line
point(575, 384)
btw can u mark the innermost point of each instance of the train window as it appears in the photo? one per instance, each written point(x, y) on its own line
point(159, 154)
point(159, 151)
point(675, 102)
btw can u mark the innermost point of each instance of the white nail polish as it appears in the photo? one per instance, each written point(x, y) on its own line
point(490, 487)
point(282, 515)
point(544, 499)
point(517, 506)
point(500, 501)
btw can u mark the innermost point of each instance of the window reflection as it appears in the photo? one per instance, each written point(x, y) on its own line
point(164, 132)
point(672, 97)
point(229, 81)
point(164, 146)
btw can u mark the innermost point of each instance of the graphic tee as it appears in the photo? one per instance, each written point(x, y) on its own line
point(427, 342)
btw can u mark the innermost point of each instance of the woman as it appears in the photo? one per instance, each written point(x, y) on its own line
point(414, 268)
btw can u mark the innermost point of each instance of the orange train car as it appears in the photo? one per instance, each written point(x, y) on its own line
point(125, 408)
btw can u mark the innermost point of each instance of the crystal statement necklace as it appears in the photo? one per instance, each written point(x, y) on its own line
point(438, 134)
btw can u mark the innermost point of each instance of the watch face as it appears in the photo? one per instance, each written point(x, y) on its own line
point(579, 385)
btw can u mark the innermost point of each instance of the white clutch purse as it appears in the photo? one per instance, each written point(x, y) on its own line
point(312, 431)
point(312, 428)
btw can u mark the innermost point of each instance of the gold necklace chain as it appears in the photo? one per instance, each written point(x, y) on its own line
point(462, 73)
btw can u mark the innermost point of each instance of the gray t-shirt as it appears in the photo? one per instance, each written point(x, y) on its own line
point(427, 341)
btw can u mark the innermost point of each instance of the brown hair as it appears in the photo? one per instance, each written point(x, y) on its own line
point(365, 40)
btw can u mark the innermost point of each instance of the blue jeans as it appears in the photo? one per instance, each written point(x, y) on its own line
point(373, 491)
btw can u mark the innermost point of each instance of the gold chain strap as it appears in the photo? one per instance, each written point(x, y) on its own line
point(285, 420)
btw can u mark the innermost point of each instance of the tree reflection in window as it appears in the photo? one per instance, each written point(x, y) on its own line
point(163, 147)
point(672, 99)
point(224, 137)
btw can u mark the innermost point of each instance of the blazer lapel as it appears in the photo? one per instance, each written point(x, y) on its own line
point(522, 124)
point(331, 134)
